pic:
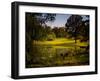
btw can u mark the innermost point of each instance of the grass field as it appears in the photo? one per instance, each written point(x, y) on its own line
point(58, 52)
point(61, 41)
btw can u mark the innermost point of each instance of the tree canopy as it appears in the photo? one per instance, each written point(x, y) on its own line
point(76, 26)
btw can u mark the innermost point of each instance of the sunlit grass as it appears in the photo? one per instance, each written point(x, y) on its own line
point(82, 43)
point(62, 42)
point(55, 42)
point(58, 52)
point(65, 46)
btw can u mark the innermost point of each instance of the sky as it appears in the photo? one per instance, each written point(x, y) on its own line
point(60, 20)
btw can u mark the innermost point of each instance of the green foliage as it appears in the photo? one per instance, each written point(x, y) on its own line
point(51, 36)
point(49, 56)
point(60, 32)
point(73, 24)
point(36, 25)
point(77, 27)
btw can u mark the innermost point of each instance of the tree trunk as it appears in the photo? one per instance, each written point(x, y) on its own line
point(75, 36)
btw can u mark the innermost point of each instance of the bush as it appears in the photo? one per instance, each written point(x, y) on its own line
point(51, 36)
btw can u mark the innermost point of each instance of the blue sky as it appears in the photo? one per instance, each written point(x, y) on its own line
point(60, 20)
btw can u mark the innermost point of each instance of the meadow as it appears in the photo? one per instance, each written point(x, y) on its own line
point(59, 52)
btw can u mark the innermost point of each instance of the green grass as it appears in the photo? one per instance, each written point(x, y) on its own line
point(61, 41)
point(49, 53)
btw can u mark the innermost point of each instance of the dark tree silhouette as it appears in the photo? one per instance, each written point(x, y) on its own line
point(35, 29)
point(84, 29)
point(36, 24)
point(73, 24)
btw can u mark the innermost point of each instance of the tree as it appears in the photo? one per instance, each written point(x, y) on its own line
point(56, 31)
point(35, 30)
point(73, 25)
point(36, 24)
point(43, 18)
point(60, 32)
point(85, 28)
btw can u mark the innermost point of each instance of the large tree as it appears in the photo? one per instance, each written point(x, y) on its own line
point(36, 23)
point(35, 29)
point(84, 28)
point(73, 25)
